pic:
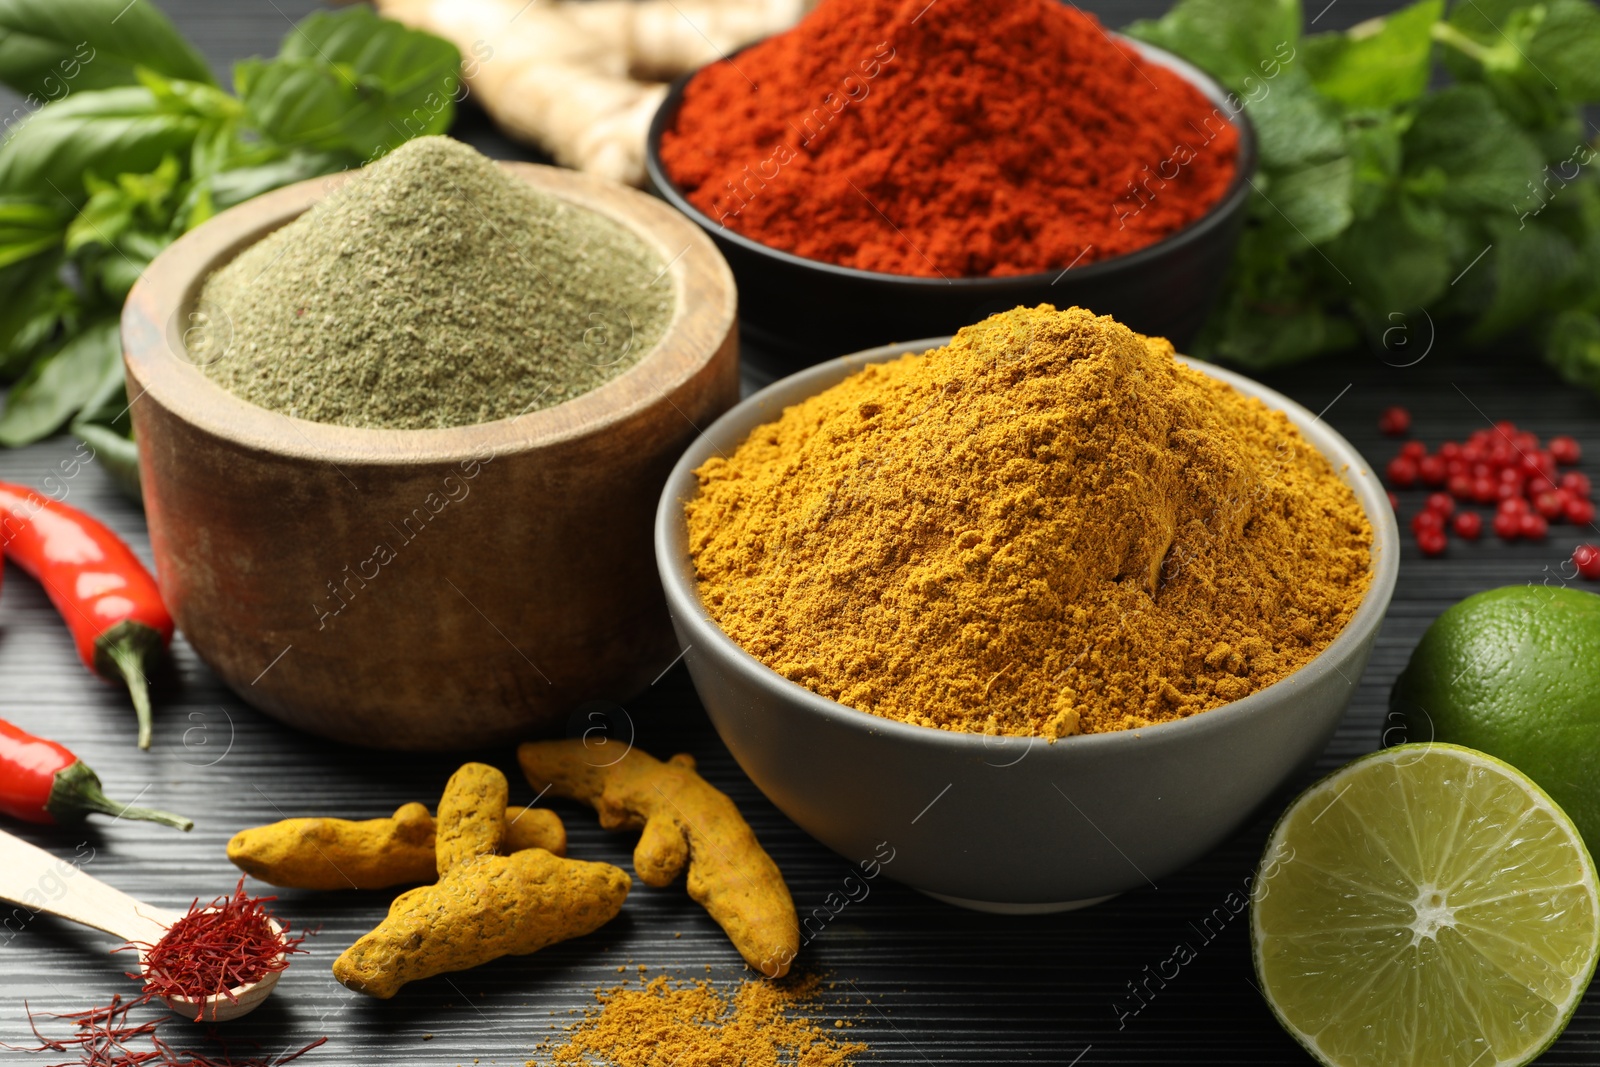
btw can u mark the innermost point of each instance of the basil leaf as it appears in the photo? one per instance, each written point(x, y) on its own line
point(116, 452)
point(59, 384)
point(107, 403)
point(351, 81)
point(106, 425)
point(49, 48)
point(37, 302)
point(408, 65)
point(114, 207)
point(28, 227)
point(1236, 41)
point(1378, 63)
point(49, 154)
point(231, 187)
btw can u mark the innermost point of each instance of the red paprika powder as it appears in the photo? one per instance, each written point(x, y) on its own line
point(953, 138)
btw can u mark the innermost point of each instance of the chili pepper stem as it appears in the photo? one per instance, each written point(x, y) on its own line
point(76, 792)
point(124, 651)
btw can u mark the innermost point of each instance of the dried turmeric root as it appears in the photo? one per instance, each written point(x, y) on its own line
point(484, 905)
point(371, 854)
point(686, 820)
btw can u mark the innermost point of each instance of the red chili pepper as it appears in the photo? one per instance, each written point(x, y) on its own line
point(43, 782)
point(104, 594)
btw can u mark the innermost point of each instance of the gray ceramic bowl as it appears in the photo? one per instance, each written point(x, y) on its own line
point(1012, 824)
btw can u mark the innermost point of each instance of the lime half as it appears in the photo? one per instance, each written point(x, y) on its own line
point(1425, 905)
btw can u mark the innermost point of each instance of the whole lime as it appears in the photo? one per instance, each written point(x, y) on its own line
point(1515, 672)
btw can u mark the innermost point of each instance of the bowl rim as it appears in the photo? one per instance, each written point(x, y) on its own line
point(1231, 200)
point(734, 426)
point(705, 313)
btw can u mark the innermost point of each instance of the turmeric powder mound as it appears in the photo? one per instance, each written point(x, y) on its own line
point(764, 1024)
point(1049, 526)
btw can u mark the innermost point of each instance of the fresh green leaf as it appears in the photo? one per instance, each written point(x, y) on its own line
point(28, 227)
point(1313, 203)
point(114, 207)
point(48, 155)
point(1534, 269)
point(1572, 347)
point(351, 81)
point(180, 97)
point(1463, 150)
point(107, 404)
point(116, 453)
point(1295, 125)
point(114, 271)
point(50, 48)
point(1378, 63)
point(1239, 42)
point(1395, 261)
point(106, 425)
point(1376, 157)
point(37, 302)
point(1554, 43)
point(231, 187)
point(410, 67)
point(58, 385)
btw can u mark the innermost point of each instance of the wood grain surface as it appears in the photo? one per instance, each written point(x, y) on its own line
point(919, 981)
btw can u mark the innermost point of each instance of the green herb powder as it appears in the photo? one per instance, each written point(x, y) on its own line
point(433, 289)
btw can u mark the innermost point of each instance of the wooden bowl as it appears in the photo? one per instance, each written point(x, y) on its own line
point(421, 589)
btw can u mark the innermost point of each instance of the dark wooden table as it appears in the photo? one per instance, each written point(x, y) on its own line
point(922, 982)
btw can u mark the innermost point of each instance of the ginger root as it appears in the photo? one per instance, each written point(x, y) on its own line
point(373, 853)
point(484, 905)
point(685, 821)
point(582, 79)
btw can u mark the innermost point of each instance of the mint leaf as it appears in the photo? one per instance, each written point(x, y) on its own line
point(1311, 204)
point(1379, 63)
point(50, 48)
point(1235, 41)
point(1463, 150)
point(1551, 44)
point(1275, 308)
point(1572, 347)
point(1397, 260)
point(1376, 156)
point(1534, 269)
point(1295, 124)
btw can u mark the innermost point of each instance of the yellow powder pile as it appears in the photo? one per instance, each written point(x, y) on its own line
point(694, 1025)
point(1048, 527)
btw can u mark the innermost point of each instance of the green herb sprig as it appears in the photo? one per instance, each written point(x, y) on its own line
point(125, 142)
point(1431, 164)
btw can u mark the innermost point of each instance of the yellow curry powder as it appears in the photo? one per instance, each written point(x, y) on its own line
point(692, 1024)
point(1049, 526)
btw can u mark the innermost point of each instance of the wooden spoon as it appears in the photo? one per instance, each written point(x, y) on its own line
point(40, 882)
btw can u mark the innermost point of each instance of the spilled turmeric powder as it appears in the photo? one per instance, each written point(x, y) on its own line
point(667, 1023)
point(1049, 526)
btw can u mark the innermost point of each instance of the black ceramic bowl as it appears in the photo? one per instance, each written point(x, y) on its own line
point(808, 310)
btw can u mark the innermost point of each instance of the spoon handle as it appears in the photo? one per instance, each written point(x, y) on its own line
point(40, 882)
